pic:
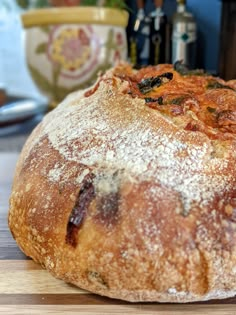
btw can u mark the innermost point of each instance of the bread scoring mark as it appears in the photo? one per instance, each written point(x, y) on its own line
point(83, 200)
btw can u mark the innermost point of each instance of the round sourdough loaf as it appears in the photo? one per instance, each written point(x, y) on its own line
point(128, 189)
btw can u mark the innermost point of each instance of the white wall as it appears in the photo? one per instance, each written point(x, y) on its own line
point(13, 69)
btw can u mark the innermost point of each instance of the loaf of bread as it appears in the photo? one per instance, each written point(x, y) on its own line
point(128, 189)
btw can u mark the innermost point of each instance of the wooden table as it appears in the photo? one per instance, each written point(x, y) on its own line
point(25, 288)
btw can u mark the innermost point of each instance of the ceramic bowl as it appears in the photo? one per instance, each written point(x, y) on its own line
point(67, 47)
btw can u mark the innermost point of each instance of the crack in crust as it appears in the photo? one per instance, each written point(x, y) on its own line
point(83, 200)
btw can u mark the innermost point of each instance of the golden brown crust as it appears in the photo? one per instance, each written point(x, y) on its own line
point(120, 198)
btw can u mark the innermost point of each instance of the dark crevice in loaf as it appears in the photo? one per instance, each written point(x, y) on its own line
point(83, 200)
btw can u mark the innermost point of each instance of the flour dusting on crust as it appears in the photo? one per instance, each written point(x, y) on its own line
point(87, 133)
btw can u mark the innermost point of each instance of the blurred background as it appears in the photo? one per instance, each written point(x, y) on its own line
point(200, 32)
point(211, 50)
point(215, 32)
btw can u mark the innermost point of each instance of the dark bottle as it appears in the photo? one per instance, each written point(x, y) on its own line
point(139, 41)
point(159, 50)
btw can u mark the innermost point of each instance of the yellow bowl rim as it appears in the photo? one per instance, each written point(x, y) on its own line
point(75, 15)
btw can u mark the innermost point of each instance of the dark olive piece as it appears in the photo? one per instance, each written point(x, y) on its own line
point(158, 100)
point(146, 85)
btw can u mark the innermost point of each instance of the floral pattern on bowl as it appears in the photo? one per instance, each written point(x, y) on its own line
point(64, 57)
point(73, 48)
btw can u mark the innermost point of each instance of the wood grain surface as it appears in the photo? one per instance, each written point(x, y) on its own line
point(25, 288)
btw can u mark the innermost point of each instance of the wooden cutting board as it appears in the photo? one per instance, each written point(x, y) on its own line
point(25, 288)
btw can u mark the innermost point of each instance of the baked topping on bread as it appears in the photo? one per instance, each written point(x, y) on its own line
point(207, 103)
point(128, 189)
